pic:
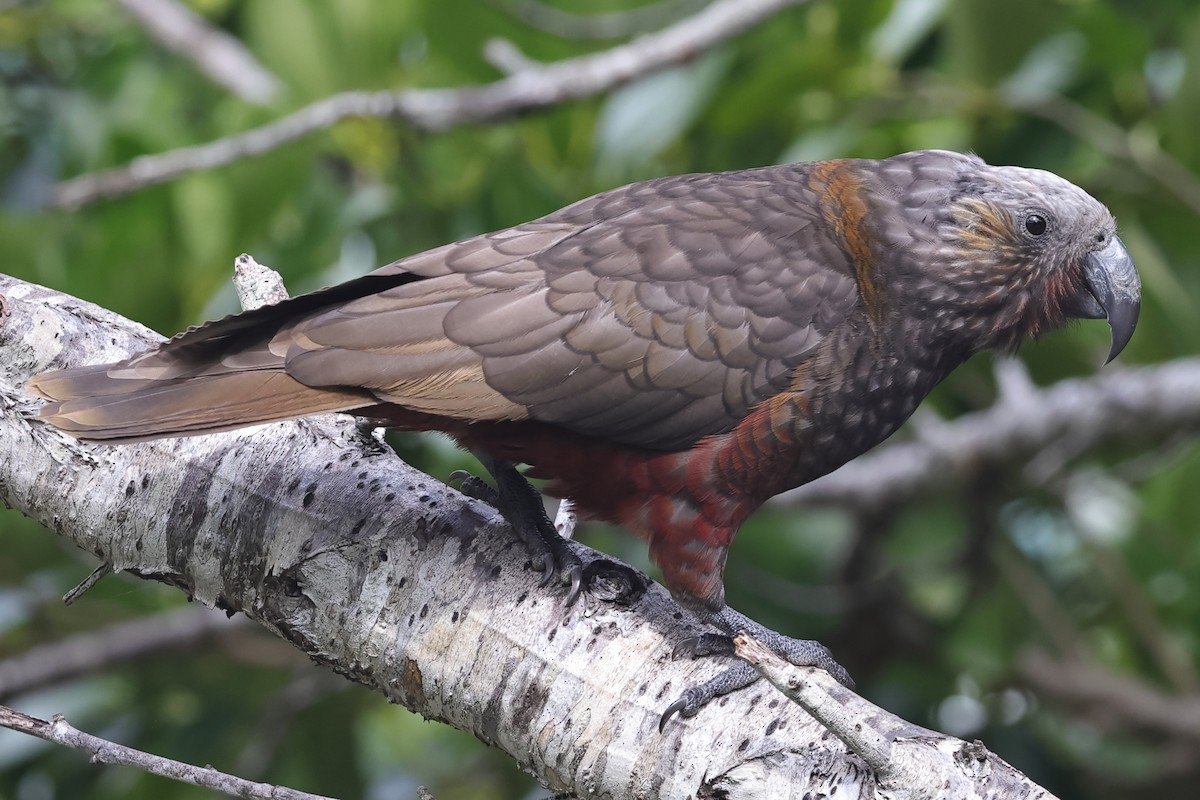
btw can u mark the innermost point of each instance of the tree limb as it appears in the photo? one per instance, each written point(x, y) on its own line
point(395, 581)
point(1135, 403)
point(438, 109)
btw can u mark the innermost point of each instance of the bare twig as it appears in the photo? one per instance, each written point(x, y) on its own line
point(88, 653)
point(257, 285)
point(907, 759)
point(438, 109)
point(102, 751)
point(88, 583)
point(219, 56)
point(607, 25)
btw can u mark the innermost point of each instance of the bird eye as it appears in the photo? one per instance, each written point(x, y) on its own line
point(1035, 224)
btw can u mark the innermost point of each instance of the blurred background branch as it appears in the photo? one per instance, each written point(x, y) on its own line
point(215, 53)
point(437, 109)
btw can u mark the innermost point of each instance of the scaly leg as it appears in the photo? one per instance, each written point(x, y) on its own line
point(521, 505)
point(801, 652)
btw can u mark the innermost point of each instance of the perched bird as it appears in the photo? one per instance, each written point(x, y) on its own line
point(668, 354)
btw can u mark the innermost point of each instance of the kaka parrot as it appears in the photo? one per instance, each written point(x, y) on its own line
point(668, 354)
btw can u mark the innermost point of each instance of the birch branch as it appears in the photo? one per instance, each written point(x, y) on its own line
point(438, 109)
point(1143, 404)
point(388, 577)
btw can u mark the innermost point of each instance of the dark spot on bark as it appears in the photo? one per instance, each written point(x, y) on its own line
point(294, 485)
point(553, 633)
point(389, 497)
point(137, 544)
point(411, 619)
point(493, 712)
point(4, 308)
point(662, 692)
point(413, 683)
point(424, 611)
point(745, 743)
point(309, 494)
point(454, 617)
point(358, 526)
point(495, 571)
point(521, 597)
point(532, 701)
point(145, 481)
point(403, 580)
point(383, 555)
point(644, 688)
point(771, 726)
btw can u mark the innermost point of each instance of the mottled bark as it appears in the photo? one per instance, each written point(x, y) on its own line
point(321, 534)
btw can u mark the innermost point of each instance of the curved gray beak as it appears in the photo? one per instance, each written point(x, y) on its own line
point(1114, 292)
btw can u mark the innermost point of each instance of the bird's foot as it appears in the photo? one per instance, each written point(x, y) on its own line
point(801, 652)
point(521, 505)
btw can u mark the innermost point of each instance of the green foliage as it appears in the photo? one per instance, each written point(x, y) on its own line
point(931, 613)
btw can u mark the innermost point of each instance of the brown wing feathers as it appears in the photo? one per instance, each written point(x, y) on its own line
point(211, 378)
point(630, 315)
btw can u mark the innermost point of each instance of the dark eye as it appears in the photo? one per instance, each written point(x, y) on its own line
point(1035, 224)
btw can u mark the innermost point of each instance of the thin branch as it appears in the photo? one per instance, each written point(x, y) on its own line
point(1145, 404)
point(88, 653)
point(87, 584)
point(604, 25)
point(907, 760)
point(102, 751)
point(438, 109)
point(220, 57)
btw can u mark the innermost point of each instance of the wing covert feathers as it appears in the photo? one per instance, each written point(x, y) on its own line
point(652, 316)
